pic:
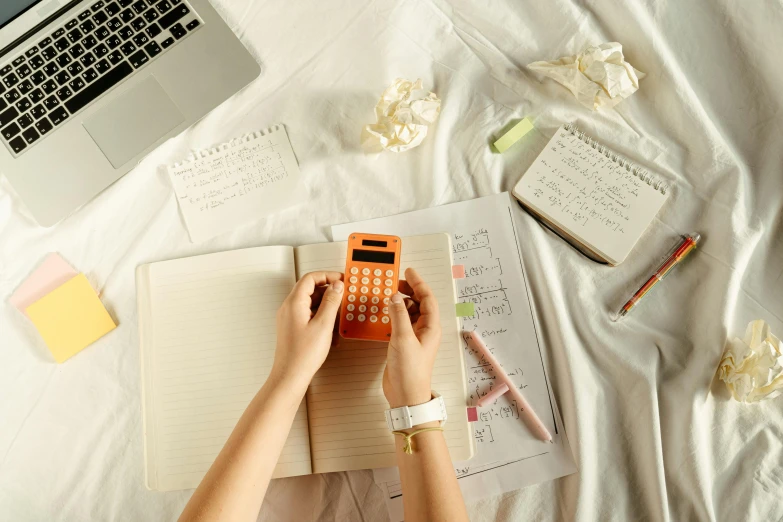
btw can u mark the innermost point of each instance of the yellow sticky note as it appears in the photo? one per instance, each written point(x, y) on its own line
point(514, 135)
point(70, 318)
point(465, 309)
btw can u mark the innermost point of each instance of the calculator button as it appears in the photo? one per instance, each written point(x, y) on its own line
point(364, 290)
point(388, 282)
point(365, 280)
point(352, 289)
point(376, 281)
point(373, 319)
point(366, 271)
point(350, 308)
point(354, 270)
point(377, 272)
point(385, 319)
point(351, 298)
point(349, 317)
point(385, 310)
point(363, 299)
point(376, 290)
point(386, 300)
point(375, 300)
point(389, 273)
point(361, 318)
point(388, 291)
point(374, 309)
point(362, 308)
point(354, 279)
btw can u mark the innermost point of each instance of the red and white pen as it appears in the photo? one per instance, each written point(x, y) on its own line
point(685, 247)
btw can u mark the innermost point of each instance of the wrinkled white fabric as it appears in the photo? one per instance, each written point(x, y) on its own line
point(655, 435)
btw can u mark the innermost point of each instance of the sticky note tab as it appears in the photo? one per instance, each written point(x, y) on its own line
point(53, 272)
point(472, 414)
point(465, 309)
point(513, 135)
point(458, 271)
point(70, 318)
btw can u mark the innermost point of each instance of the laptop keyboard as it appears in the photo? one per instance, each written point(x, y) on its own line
point(55, 78)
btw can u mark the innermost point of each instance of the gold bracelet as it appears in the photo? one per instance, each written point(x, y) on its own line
point(408, 448)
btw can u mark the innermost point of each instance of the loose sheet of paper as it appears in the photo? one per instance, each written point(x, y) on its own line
point(596, 199)
point(484, 241)
point(237, 183)
point(208, 343)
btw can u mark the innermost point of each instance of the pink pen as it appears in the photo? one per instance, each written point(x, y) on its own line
point(496, 392)
point(528, 415)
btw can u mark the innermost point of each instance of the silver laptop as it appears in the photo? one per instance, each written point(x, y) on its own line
point(87, 88)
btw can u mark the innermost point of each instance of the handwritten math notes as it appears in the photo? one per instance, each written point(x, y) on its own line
point(236, 183)
point(590, 193)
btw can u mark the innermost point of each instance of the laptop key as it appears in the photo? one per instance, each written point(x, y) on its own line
point(38, 78)
point(5, 70)
point(90, 75)
point(116, 57)
point(139, 6)
point(18, 61)
point(43, 43)
point(76, 85)
point(174, 16)
point(3, 104)
point(154, 30)
point(75, 68)
point(51, 68)
point(49, 87)
point(102, 66)
point(43, 125)
point(128, 48)
point(168, 42)
point(32, 51)
point(97, 6)
point(163, 6)
point(25, 120)
point(112, 9)
point(6, 117)
point(30, 135)
point(138, 59)
point(59, 32)
point(127, 15)
point(11, 131)
point(192, 25)
point(36, 96)
point(70, 25)
point(138, 24)
point(140, 40)
point(102, 33)
point(89, 42)
point(64, 93)
point(88, 59)
point(125, 3)
point(58, 115)
point(23, 104)
point(25, 87)
point(151, 15)
point(18, 144)
point(87, 27)
point(100, 51)
point(38, 112)
point(178, 31)
point(10, 80)
point(99, 86)
point(100, 18)
point(62, 77)
point(74, 36)
point(153, 49)
point(62, 44)
point(51, 102)
point(48, 53)
point(113, 41)
point(114, 24)
point(11, 97)
point(36, 62)
point(63, 60)
point(85, 15)
point(24, 71)
point(125, 33)
point(77, 50)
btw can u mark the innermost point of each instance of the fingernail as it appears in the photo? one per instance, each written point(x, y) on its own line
point(338, 286)
point(397, 298)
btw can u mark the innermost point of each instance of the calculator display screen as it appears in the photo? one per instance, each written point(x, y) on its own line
point(373, 256)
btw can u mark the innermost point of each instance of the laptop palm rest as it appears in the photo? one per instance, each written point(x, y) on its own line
point(133, 122)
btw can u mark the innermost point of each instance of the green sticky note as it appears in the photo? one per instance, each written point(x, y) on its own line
point(465, 309)
point(514, 135)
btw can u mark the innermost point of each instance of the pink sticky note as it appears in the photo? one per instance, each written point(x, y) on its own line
point(51, 274)
point(472, 414)
point(458, 271)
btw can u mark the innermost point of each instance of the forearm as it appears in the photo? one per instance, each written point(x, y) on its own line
point(235, 485)
point(429, 484)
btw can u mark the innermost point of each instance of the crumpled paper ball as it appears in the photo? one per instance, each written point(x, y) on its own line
point(598, 76)
point(752, 368)
point(404, 113)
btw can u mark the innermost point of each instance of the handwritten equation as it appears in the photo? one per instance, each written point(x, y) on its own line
point(215, 180)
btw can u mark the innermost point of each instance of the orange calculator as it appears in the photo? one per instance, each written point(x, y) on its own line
point(372, 271)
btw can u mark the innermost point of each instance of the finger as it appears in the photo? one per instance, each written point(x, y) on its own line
point(400, 320)
point(405, 288)
point(429, 319)
point(330, 304)
point(305, 287)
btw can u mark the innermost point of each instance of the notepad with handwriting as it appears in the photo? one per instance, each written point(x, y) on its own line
point(591, 196)
point(207, 336)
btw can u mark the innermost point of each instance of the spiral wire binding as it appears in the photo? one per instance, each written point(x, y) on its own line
point(201, 154)
point(630, 167)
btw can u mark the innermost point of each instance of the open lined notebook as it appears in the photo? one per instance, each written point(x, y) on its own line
point(207, 336)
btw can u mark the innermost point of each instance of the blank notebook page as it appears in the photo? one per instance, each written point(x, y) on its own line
point(345, 399)
point(208, 342)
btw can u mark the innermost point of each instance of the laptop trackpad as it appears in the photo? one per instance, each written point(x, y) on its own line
point(133, 121)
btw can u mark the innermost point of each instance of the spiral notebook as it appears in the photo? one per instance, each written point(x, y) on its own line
point(595, 199)
point(238, 182)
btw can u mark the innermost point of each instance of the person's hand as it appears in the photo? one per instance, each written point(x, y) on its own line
point(305, 323)
point(414, 343)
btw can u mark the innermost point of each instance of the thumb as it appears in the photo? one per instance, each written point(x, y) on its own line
point(330, 303)
point(400, 320)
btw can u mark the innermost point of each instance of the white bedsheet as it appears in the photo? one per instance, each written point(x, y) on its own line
point(654, 436)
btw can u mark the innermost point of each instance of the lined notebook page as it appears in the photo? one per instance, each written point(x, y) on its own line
point(208, 338)
point(345, 398)
point(595, 199)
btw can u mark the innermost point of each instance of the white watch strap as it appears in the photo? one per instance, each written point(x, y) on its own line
point(406, 417)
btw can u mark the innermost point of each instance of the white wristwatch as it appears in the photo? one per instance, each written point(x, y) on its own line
point(406, 417)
